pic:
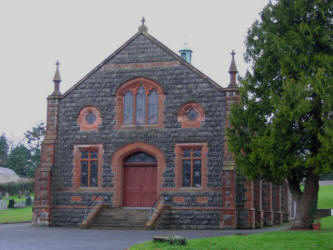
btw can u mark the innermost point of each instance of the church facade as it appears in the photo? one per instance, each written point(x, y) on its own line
point(144, 127)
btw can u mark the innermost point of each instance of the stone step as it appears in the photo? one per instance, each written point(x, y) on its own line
point(113, 218)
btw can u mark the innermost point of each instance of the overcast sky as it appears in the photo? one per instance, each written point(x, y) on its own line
point(80, 34)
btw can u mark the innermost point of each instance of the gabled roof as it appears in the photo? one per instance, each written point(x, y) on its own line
point(158, 43)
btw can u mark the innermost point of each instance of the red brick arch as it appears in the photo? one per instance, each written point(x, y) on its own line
point(81, 120)
point(133, 85)
point(117, 167)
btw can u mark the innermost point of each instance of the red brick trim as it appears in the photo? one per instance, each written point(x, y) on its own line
point(185, 121)
point(203, 199)
point(76, 199)
point(117, 167)
point(139, 65)
point(133, 85)
point(76, 180)
point(202, 208)
point(178, 199)
point(179, 166)
point(81, 120)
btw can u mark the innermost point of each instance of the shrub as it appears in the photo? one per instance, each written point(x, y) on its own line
point(14, 187)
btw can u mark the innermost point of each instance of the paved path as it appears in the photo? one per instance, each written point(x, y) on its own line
point(29, 237)
point(326, 183)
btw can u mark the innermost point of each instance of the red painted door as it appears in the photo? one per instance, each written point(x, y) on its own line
point(139, 186)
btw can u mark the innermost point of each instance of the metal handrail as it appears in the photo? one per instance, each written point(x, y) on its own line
point(153, 207)
point(91, 202)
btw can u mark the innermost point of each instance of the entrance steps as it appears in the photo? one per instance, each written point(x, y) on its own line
point(121, 218)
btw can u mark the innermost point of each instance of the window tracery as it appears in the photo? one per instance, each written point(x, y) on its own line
point(140, 102)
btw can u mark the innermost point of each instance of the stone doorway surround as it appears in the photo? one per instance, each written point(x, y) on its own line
point(117, 165)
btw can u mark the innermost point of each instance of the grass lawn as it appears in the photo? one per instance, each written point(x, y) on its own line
point(16, 215)
point(307, 239)
point(325, 197)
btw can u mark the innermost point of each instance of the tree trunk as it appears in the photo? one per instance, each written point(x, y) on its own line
point(306, 201)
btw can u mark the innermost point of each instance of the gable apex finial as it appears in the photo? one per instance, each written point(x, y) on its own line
point(143, 27)
point(56, 80)
point(233, 71)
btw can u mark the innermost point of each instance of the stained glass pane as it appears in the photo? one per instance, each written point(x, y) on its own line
point(187, 152)
point(94, 154)
point(141, 106)
point(140, 157)
point(93, 173)
point(197, 173)
point(91, 118)
point(84, 154)
point(192, 114)
point(128, 108)
point(186, 173)
point(153, 107)
point(197, 152)
point(84, 173)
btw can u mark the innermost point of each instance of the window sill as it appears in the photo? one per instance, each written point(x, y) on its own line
point(140, 126)
point(191, 188)
point(90, 189)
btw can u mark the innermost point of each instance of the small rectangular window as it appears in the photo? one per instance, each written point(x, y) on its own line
point(192, 163)
point(89, 168)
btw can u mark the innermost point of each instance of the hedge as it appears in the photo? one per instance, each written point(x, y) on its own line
point(14, 187)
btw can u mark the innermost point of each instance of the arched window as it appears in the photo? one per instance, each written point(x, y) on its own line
point(153, 107)
point(141, 106)
point(139, 103)
point(128, 108)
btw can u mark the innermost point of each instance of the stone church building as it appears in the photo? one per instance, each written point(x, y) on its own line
point(146, 129)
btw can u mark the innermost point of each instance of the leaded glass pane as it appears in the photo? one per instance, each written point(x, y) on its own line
point(187, 152)
point(196, 173)
point(91, 118)
point(128, 108)
point(140, 157)
point(94, 154)
point(186, 173)
point(93, 173)
point(84, 173)
point(153, 107)
point(192, 114)
point(84, 154)
point(197, 152)
point(141, 106)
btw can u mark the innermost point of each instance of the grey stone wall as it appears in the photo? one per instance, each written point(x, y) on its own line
point(190, 219)
point(66, 217)
point(180, 84)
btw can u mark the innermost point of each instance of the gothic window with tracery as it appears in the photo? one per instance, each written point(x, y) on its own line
point(139, 103)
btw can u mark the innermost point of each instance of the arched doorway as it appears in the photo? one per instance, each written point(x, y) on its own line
point(140, 180)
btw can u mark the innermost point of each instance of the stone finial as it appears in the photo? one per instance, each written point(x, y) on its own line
point(56, 80)
point(143, 27)
point(233, 71)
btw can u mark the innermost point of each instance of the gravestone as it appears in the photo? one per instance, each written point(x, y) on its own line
point(21, 204)
point(28, 201)
point(11, 203)
point(19, 195)
point(3, 204)
point(7, 195)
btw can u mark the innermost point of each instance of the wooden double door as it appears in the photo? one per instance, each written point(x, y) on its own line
point(139, 184)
